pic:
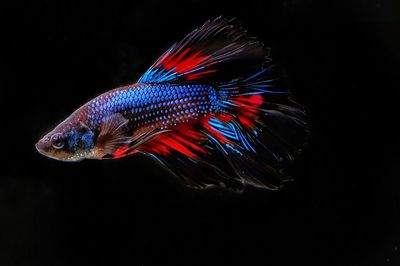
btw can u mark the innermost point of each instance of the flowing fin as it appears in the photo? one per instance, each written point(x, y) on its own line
point(263, 109)
point(256, 132)
point(185, 141)
point(219, 51)
point(190, 155)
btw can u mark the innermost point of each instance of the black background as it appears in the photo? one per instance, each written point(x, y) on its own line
point(342, 58)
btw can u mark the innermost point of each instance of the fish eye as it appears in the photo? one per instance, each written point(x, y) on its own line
point(56, 141)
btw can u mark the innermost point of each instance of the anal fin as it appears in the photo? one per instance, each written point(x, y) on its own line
point(192, 158)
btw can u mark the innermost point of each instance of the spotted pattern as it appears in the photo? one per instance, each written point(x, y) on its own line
point(154, 105)
point(80, 140)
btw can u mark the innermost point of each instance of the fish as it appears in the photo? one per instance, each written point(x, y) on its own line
point(213, 109)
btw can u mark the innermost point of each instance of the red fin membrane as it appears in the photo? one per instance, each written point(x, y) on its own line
point(219, 51)
point(192, 158)
point(185, 141)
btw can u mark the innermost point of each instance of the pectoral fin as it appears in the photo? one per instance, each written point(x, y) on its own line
point(117, 139)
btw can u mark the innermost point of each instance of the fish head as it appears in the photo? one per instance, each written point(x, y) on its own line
point(71, 140)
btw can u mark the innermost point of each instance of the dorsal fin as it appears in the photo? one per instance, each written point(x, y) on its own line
point(219, 51)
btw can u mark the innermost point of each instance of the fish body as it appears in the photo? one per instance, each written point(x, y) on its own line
point(158, 106)
point(209, 102)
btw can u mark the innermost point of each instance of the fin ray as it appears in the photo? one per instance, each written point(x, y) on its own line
point(219, 51)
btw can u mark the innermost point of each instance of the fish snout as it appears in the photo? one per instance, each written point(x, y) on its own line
point(42, 146)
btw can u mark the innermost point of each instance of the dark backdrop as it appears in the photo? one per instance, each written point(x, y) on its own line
point(342, 59)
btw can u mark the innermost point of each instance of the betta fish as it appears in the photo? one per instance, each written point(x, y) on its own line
point(212, 109)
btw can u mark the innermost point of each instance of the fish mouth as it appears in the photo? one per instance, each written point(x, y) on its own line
point(39, 147)
point(42, 148)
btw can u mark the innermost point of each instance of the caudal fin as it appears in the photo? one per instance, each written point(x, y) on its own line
point(263, 130)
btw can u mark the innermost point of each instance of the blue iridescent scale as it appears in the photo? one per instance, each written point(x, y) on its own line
point(154, 105)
